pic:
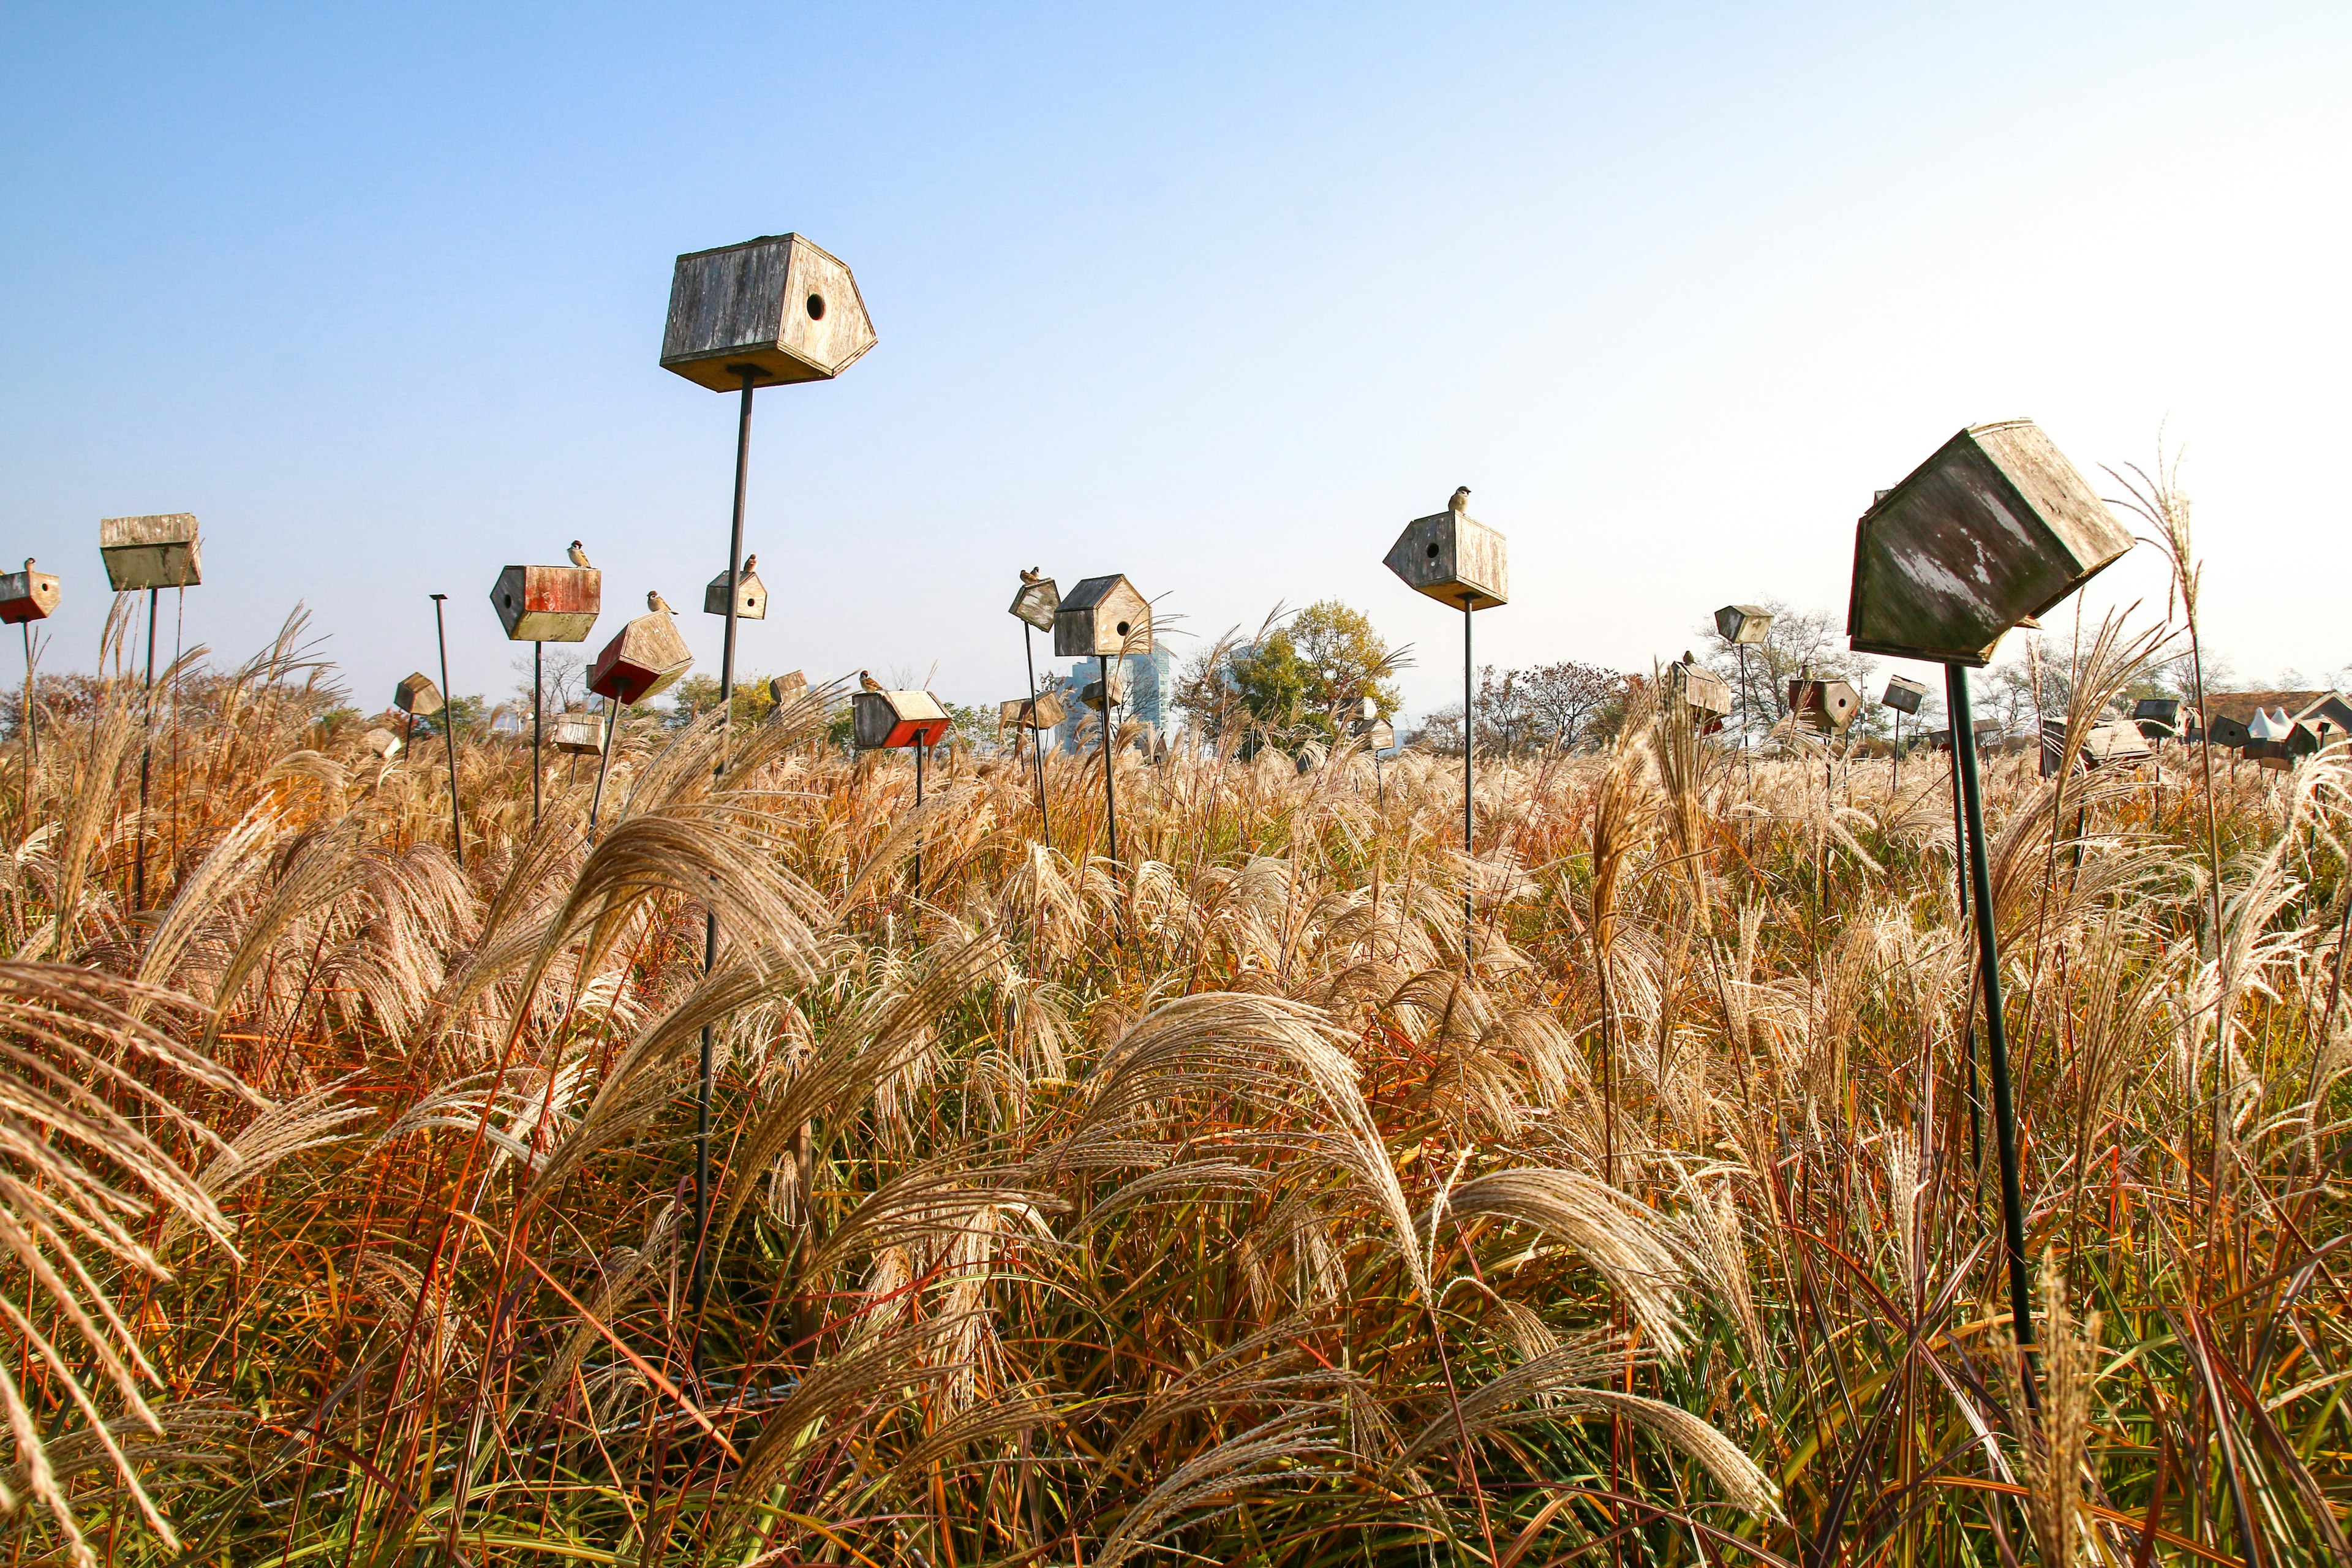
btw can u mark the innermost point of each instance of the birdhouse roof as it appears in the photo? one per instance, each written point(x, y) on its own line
point(160, 527)
point(1095, 591)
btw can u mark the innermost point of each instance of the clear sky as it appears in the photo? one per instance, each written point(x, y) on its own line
point(1217, 296)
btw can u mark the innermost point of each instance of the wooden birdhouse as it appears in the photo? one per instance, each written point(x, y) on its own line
point(1454, 559)
point(751, 598)
point(1742, 624)
point(579, 733)
point(27, 596)
point(2225, 730)
point(1044, 712)
point(2158, 717)
point(1102, 616)
point(884, 719)
point(789, 687)
point(1091, 694)
point(417, 696)
point(1904, 695)
point(382, 742)
point(1037, 603)
point(547, 604)
point(776, 304)
point(1378, 734)
point(1702, 690)
point(158, 551)
point(645, 660)
point(1996, 526)
point(1825, 706)
point(2115, 743)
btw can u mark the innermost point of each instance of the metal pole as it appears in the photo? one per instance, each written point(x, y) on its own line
point(2004, 1110)
point(1469, 745)
point(1110, 758)
point(612, 728)
point(536, 692)
point(1746, 757)
point(146, 755)
point(1967, 1024)
point(449, 730)
point(1036, 746)
point(32, 722)
point(920, 750)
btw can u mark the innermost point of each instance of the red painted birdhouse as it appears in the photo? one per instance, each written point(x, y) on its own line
point(547, 604)
point(647, 659)
point(27, 596)
point(880, 718)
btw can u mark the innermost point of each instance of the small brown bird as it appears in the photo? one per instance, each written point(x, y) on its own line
point(866, 682)
point(1031, 574)
point(1461, 502)
point(750, 564)
point(654, 601)
point(28, 564)
point(579, 557)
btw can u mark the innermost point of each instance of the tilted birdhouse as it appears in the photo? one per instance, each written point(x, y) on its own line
point(382, 742)
point(751, 598)
point(1037, 603)
point(776, 304)
point(547, 604)
point(2158, 717)
point(579, 733)
point(1378, 734)
point(418, 695)
point(789, 687)
point(1742, 624)
point(1827, 706)
point(645, 660)
point(1905, 694)
point(1700, 688)
point(1043, 711)
point(1091, 694)
point(881, 718)
point(1453, 558)
point(1996, 526)
point(2115, 743)
point(1102, 616)
point(27, 596)
point(158, 551)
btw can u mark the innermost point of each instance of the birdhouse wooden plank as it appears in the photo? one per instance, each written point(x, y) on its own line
point(1904, 695)
point(884, 719)
point(1037, 603)
point(789, 687)
point(418, 695)
point(579, 733)
point(2158, 717)
point(751, 598)
point(1996, 526)
point(1454, 558)
point(547, 604)
point(645, 659)
point(1827, 706)
point(2225, 730)
point(27, 596)
point(777, 304)
point(2116, 742)
point(382, 742)
point(1102, 616)
point(1743, 624)
point(1699, 688)
point(156, 551)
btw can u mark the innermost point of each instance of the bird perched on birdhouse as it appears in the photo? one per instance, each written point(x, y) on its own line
point(578, 732)
point(27, 596)
point(1904, 695)
point(776, 306)
point(1827, 707)
point(656, 604)
point(881, 718)
point(751, 593)
point(417, 696)
point(645, 659)
point(1453, 557)
point(156, 551)
point(1102, 616)
point(1743, 624)
point(549, 604)
point(578, 557)
point(1038, 600)
point(866, 681)
point(1995, 527)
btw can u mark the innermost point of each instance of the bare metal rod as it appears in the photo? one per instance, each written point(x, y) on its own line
point(1469, 743)
point(1036, 746)
point(146, 755)
point(537, 687)
point(449, 731)
point(603, 762)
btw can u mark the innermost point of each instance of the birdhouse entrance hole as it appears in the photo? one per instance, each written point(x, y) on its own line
point(1433, 552)
point(817, 306)
point(1123, 628)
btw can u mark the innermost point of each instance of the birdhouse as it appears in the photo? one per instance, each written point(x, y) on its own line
point(1826, 705)
point(1091, 694)
point(1378, 734)
point(1702, 690)
point(2115, 743)
point(1987, 733)
point(1047, 712)
point(2225, 730)
point(157, 551)
point(647, 659)
point(881, 718)
point(417, 696)
point(789, 687)
point(1905, 694)
point(1453, 558)
point(579, 733)
point(1037, 601)
point(776, 305)
point(1742, 624)
point(547, 604)
point(27, 596)
point(1994, 528)
point(2158, 717)
point(1367, 708)
point(1102, 616)
point(382, 742)
point(751, 598)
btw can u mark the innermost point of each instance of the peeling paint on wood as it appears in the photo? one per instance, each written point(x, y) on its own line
point(547, 604)
point(777, 303)
point(158, 551)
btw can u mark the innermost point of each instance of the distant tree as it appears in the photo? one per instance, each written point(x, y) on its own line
point(1302, 679)
point(1800, 643)
point(698, 694)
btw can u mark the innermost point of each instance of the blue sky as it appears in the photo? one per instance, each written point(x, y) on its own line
point(1219, 297)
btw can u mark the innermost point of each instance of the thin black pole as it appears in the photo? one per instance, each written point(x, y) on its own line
point(536, 687)
point(146, 755)
point(2004, 1109)
point(1469, 745)
point(1110, 757)
point(920, 750)
point(32, 722)
point(1747, 757)
point(1036, 745)
point(449, 731)
point(605, 761)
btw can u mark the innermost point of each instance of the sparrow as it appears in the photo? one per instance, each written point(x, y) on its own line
point(579, 557)
point(866, 682)
point(1460, 504)
point(654, 601)
point(28, 564)
point(1031, 574)
point(750, 564)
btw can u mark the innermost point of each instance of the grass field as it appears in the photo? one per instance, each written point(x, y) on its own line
point(1198, 1207)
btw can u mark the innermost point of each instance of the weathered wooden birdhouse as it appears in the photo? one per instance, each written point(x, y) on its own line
point(1827, 706)
point(417, 696)
point(789, 687)
point(579, 733)
point(547, 604)
point(2158, 717)
point(27, 596)
point(1102, 616)
point(1091, 694)
point(645, 659)
point(2225, 730)
point(751, 598)
point(1046, 711)
point(881, 718)
point(158, 551)
point(1453, 558)
point(1378, 734)
point(1367, 708)
point(1702, 690)
point(1037, 603)
point(2115, 743)
point(1996, 526)
point(776, 304)
point(1742, 624)
point(1904, 695)
point(382, 742)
